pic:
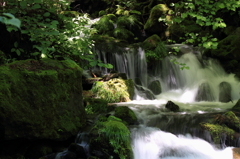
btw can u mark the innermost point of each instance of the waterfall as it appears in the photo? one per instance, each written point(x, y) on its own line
point(200, 82)
point(199, 89)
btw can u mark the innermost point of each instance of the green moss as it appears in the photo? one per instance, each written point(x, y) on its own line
point(96, 105)
point(114, 90)
point(217, 131)
point(114, 139)
point(41, 97)
point(156, 12)
point(126, 114)
point(105, 25)
point(151, 42)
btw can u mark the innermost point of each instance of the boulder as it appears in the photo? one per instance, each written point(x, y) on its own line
point(40, 99)
point(145, 93)
point(126, 114)
point(114, 90)
point(229, 119)
point(172, 106)
point(204, 93)
point(155, 87)
point(225, 92)
point(110, 139)
point(153, 26)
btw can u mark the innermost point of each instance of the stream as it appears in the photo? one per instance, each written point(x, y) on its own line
point(198, 91)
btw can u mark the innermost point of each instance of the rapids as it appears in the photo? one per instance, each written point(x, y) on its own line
point(162, 134)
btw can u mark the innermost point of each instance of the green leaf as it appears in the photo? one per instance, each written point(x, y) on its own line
point(36, 6)
point(18, 52)
point(23, 4)
point(47, 14)
point(9, 15)
point(93, 63)
point(14, 22)
point(16, 44)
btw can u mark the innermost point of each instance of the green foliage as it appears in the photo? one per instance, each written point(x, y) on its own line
point(96, 106)
point(217, 131)
point(158, 53)
point(207, 15)
point(118, 136)
point(53, 31)
point(10, 21)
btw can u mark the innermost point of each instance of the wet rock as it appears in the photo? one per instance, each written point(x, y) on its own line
point(145, 92)
point(126, 114)
point(155, 87)
point(172, 106)
point(225, 92)
point(78, 150)
point(229, 119)
point(204, 93)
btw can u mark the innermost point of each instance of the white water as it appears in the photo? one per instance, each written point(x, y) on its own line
point(149, 141)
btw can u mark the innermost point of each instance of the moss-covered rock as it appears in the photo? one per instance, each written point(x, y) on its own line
point(217, 131)
point(126, 114)
point(229, 119)
point(229, 47)
point(114, 90)
point(41, 99)
point(151, 42)
point(111, 138)
point(153, 25)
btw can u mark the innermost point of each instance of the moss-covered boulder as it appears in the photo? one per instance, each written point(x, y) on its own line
point(229, 119)
point(111, 139)
point(217, 131)
point(41, 100)
point(153, 26)
point(229, 47)
point(114, 90)
point(151, 42)
point(126, 114)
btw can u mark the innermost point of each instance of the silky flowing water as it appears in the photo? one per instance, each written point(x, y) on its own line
point(163, 134)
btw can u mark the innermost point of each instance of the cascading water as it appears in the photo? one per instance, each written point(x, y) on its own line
point(197, 91)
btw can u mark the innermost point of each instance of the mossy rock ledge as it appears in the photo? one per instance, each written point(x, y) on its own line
point(41, 99)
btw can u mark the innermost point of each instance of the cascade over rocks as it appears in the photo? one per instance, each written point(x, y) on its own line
point(204, 93)
point(40, 100)
point(225, 92)
point(155, 87)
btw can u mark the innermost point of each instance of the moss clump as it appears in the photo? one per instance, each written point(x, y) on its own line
point(41, 99)
point(94, 106)
point(114, 90)
point(126, 114)
point(156, 12)
point(229, 119)
point(151, 42)
point(217, 131)
point(113, 139)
